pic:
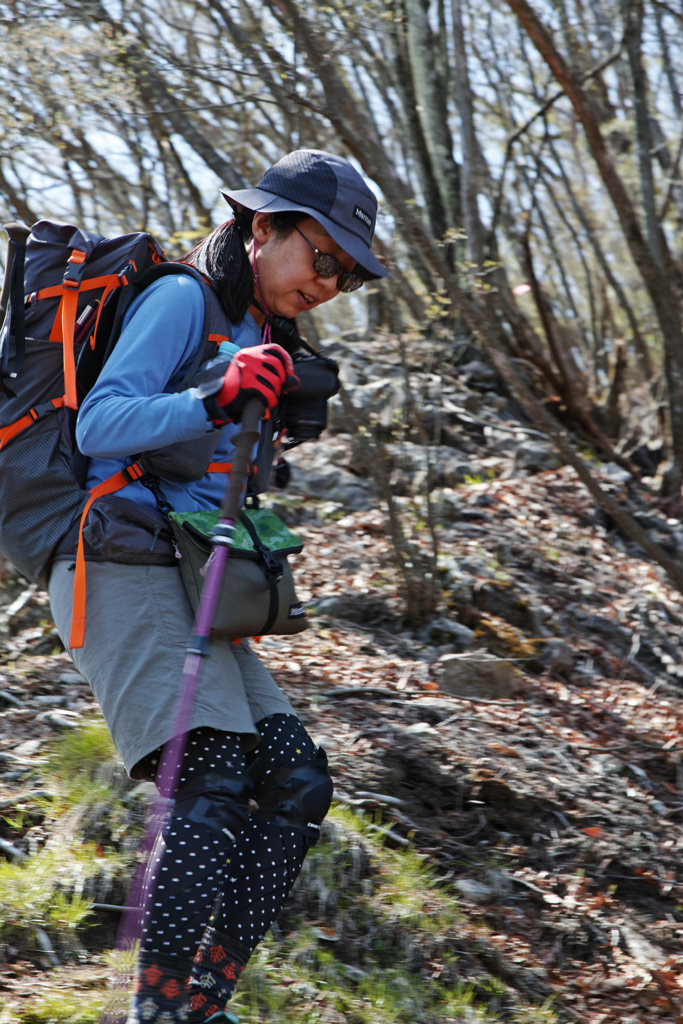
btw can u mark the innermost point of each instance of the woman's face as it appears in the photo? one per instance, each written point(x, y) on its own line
point(288, 282)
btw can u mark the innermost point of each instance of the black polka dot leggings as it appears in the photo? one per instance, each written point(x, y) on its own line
point(218, 893)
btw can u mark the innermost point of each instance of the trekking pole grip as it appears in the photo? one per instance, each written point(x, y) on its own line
point(17, 235)
point(243, 443)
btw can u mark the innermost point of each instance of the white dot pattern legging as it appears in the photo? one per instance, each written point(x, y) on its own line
point(216, 899)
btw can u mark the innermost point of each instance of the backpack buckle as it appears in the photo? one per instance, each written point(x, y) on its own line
point(75, 266)
point(127, 270)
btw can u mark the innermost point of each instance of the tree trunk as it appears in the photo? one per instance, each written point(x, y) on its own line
point(468, 172)
point(633, 22)
point(659, 284)
point(430, 106)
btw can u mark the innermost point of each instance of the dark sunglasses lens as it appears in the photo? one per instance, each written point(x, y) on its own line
point(327, 266)
point(350, 283)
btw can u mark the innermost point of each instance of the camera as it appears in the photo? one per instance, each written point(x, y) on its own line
point(302, 415)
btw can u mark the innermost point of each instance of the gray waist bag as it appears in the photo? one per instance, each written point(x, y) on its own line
point(257, 595)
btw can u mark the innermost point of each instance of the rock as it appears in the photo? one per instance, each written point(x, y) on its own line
point(61, 721)
point(28, 748)
point(505, 444)
point(479, 374)
point(384, 399)
point(468, 513)
point(477, 674)
point(461, 589)
point(476, 892)
point(334, 484)
point(304, 990)
point(641, 777)
point(10, 698)
point(355, 973)
point(499, 881)
point(473, 402)
point(449, 631)
point(420, 727)
point(643, 952)
point(606, 764)
point(448, 467)
point(558, 657)
point(69, 678)
point(61, 701)
point(608, 629)
point(329, 606)
point(533, 457)
point(658, 807)
point(615, 473)
point(11, 851)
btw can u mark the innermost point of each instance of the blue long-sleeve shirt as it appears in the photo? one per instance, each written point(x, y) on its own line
point(133, 408)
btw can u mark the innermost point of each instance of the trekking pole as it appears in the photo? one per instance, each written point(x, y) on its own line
point(17, 235)
point(141, 892)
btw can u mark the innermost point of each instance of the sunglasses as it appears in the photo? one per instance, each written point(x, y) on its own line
point(329, 266)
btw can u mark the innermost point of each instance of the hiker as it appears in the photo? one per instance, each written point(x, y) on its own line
point(294, 242)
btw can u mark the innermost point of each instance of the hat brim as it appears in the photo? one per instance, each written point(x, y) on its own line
point(260, 201)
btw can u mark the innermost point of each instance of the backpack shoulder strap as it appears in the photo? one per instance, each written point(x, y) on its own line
point(215, 329)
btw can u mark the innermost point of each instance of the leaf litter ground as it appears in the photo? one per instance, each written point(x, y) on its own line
point(545, 829)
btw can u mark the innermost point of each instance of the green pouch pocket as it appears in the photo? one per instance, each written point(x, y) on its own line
point(257, 595)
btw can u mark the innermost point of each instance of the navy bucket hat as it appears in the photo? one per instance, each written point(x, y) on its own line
point(327, 188)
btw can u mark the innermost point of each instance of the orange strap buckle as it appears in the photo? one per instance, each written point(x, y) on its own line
point(7, 433)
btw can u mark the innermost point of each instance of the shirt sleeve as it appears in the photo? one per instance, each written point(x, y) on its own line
point(132, 407)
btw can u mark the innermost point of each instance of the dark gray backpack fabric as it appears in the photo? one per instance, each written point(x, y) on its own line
point(42, 474)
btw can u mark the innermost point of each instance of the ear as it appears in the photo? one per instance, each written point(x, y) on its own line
point(262, 227)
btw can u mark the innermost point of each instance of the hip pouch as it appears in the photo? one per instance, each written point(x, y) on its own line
point(257, 595)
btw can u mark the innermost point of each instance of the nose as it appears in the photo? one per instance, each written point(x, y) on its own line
point(329, 285)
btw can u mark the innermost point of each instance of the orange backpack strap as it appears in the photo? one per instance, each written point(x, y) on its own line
point(113, 483)
point(64, 326)
point(65, 323)
point(32, 416)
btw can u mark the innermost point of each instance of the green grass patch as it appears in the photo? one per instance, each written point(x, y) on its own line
point(371, 938)
point(83, 762)
point(42, 892)
point(65, 1008)
point(80, 862)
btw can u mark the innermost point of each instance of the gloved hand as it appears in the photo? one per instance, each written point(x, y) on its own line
point(264, 371)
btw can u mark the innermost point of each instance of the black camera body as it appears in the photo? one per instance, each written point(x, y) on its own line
point(303, 413)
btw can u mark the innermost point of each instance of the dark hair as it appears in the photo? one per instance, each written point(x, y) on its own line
point(222, 256)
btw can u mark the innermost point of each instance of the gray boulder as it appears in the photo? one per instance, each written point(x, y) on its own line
point(382, 399)
point(479, 373)
point(449, 631)
point(448, 467)
point(477, 674)
point(559, 657)
point(476, 892)
point(332, 484)
point(533, 457)
point(332, 605)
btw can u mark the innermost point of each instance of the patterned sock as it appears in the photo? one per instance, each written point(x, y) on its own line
point(217, 967)
point(161, 989)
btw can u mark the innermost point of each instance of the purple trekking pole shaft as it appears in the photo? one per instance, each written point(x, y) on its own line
point(141, 892)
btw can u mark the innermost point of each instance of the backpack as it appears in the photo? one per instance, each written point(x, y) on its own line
point(69, 290)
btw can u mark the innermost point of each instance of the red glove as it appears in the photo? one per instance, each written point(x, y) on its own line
point(264, 371)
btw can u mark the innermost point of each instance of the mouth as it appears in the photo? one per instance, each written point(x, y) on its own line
point(306, 300)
